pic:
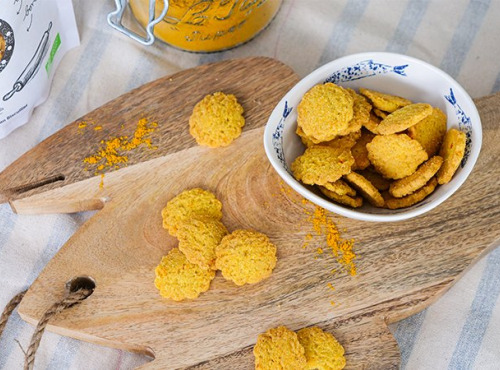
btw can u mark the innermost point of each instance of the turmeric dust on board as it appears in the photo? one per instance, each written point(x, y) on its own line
point(113, 152)
point(342, 249)
point(328, 235)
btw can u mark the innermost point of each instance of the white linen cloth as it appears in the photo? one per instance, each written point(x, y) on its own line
point(460, 331)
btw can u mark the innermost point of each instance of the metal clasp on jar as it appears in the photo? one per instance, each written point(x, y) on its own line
point(115, 21)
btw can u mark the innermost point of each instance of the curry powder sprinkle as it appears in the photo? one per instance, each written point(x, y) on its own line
point(112, 153)
point(342, 249)
point(326, 232)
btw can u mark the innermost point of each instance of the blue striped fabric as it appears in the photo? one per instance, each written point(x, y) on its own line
point(479, 316)
point(464, 36)
point(460, 331)
point(341, 35)
point(407, 26)
point(406, 334)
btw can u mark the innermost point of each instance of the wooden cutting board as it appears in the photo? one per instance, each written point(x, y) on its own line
point(403, 266)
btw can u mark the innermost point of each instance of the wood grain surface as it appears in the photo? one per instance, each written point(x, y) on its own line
point(403, 266)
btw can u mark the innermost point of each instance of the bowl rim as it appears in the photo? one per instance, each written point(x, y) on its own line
point(353, 213)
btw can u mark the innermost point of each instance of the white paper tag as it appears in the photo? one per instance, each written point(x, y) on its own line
point(34, 36)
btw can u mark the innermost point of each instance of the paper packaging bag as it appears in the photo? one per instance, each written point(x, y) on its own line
point(34, 37)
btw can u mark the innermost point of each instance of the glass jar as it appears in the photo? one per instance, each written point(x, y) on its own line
point(207, 25)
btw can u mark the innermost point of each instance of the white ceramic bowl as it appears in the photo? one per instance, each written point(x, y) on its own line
point(390, 73)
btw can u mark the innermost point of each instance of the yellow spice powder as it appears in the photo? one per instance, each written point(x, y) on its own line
point(112, 153)
point(323, 226)
point(342, 249)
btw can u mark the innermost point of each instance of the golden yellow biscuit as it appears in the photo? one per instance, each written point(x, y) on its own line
point(345, 142)
point(372, 124)
point(403, 118)
point(279, 349)
point(245, 257)
point(380, 114)
point(452, 151)
point(341, 188)
point(366, 188)
point(322, 350)
point(359, 151)
point(385, 102)
point(321, 164)
point(387, 196)
point(216, 120)
point(430, 131)
point(198, 239)
point(354, 202)
point(178, 279)
point(395, 156)
point(416, 180)
point(188, 204)
point(324, 111)
point(361, 113)
point(376, 179)
point(409, 200)
point(305, 140)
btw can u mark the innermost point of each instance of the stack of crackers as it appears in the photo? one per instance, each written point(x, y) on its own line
point(375, 147)
point(205, 245)
point(309, 348)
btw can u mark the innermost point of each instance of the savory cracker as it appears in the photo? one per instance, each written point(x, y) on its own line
point(305, 139)
point(366, 188)
point(395, 156)
point(384, 102)
point(189, 204)
point(322, 350)
point(178, 279)
point(322, 164)
point(452, 151)
point(359, 151)
point(403, 118)
point(325, 111)
point(245, 257)
point(416, 180)
point(380, 113)
point(198, 238)
point(361, 113)
point(376, 179)
point(372, 124)
point(279, 349)
point(430, 131)
point(354, 202)
point(216, 120)
point(341, 188)
point(344, 142)
point(409, 200)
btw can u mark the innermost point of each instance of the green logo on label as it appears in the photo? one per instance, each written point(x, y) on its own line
point(53, 51)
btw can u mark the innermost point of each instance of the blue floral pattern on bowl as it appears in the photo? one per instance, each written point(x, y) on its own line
point(464, 124)
point(366, 68)
point(278, 136)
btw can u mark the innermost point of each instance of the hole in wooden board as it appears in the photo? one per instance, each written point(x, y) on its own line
point(134, 358)
point(81, 282)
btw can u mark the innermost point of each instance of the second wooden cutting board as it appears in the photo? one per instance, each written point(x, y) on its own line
point(403, 267)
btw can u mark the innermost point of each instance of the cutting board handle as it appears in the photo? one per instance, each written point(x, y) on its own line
point(368, 344)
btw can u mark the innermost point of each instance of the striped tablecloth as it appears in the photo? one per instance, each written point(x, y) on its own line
point(460, 331)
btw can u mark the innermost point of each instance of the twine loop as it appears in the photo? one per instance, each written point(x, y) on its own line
point(77, 290)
